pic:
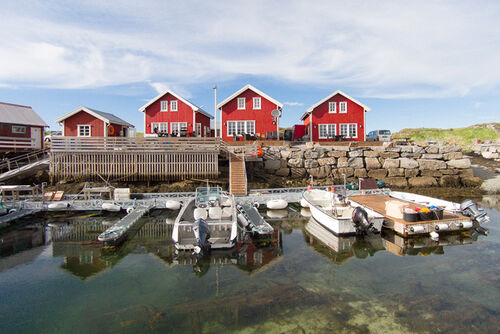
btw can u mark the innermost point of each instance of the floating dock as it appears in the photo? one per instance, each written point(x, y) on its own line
point(118, 232)
point(4, 220)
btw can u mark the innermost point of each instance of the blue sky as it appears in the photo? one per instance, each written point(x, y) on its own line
point(415, 63)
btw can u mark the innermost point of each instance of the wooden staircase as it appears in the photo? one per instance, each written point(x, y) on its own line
point(238, 175)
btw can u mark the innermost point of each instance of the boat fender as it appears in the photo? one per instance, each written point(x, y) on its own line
point(416, 229)
point(276, 204)
point(129, 210)
point(256, 205)
point(361, 222)
point(12, 210)
point(173, 205)
point(442, 227)
point(243, 221)
point(434, 235)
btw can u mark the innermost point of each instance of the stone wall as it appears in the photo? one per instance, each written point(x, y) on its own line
point(400, 166)
point(488, 150)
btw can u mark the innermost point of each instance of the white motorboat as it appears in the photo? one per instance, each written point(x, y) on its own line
point(339, 215)
point(211, 209)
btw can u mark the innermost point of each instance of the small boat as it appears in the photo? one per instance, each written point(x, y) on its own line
point(335, 212)
point(277, 204)
point(250, 218)
point(216, 209)
point(173, 205)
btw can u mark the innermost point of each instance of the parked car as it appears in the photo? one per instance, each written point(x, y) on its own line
point(48, 138)
point(379, 135)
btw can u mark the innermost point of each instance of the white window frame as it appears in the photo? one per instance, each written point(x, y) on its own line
point(355, 126)
point(343, 107)
point(346, 125)
point(173, 105)
point(163, 105)
point(19, 129)
point(332, 107)
point(79, 126)
point(257, 103)
point(245, 128)
point(162, 127)
point(178, 125)
point(328, 128)
point(241, 103)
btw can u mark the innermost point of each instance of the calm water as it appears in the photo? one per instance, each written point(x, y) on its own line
point(57, 279)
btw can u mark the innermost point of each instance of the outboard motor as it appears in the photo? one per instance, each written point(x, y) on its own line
point(470, 209)
point(361, 222)
point(202, 234)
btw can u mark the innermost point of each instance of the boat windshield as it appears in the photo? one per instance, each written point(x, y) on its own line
point(204, 195)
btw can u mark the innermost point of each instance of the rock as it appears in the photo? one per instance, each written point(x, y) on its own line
point(283, 172)
point(471, 181)
point(360, 172)
point(320, 172)
point(411, 172)
point(449, 181)
point(459, 163)
point(408, 163)
point(310, 154)
point(285, 154)
point(453, 155)
point(431, 164)
point(432, 156)
point(311, 163)
point(410, 155)
point(326, 161)
point(297, 154)
point(428, 172)
point(355, 154)
point(449, 171)
point(342, 162)
point(297, 173)
point(394, 149)
point(377, 173)
point(393, 172)
point(490, 155)
point(466, 172)
point(344, 148)
point(389, 155)
point(406, 149)
point(449, 148)
point(391, 163)
point(422, 143)
point(272, 164)
point(399, 182)
point(271, 155)
point(492, 186)
point(432, 149)
point(296, 163)
point(321, 151)
point(422, 181)
point(372, 163)
point(418, 149)
point(309, 145)
point(356, 162)
point(347, 171)
point(337, 154)
point(371, 153)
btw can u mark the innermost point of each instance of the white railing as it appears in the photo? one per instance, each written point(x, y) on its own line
point(16, 143)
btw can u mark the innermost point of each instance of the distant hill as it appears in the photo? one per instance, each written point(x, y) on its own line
point(462, 136)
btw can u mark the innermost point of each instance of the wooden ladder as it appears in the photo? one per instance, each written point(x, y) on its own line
point(238, 177)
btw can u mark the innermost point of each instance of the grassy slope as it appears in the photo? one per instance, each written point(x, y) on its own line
point(462, 136)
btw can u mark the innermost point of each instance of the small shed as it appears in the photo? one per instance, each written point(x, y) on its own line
point(21, 128)
point(87, 122)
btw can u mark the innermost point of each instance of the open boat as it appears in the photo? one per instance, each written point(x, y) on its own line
point(335, 212)
point(211, 215)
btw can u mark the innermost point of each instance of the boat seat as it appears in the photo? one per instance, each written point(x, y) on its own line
point(200, 213)
point(227, 212)
point(225, 201)
point(215, 212)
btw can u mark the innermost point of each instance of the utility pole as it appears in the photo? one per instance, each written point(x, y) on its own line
point(215, 109)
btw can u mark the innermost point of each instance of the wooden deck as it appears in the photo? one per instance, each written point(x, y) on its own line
point(379, 202)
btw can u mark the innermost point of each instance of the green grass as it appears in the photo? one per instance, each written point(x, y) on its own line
point(461, 136)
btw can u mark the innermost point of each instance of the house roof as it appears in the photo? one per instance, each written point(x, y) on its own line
point(189, 103)
point(308, 111)
point(104, 116)
point(17, 114)
point(251, 88)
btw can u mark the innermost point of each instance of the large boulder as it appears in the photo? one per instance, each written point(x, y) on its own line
point(272, 164)
point(372, 163)
point(355, 154)
point(320, 172)
point(311, 163)
point(285, 154)
point(430, 172)
point(342, 162)
point(296, 163)
point(408, 163)
point(432, 156)
point(377, 173)
point(393, 172)
point(471, 181)
point(389, 155)
point(297, 173)
point(310, 154)
point(391, 163)
point(344, 148)
point(347, 171)
point(371, 153)
point(406, 149)
point(299, 154)
point(432, 149)
point(459, 163)
point(449, 181)
point(356, 162)
point(411, 172)
point(360, 172)
point(422, 181)
point(283, 172)
point(449, 148)
point(453, 155)
point(431, 164)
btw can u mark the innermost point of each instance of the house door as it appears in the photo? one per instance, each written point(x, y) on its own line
point(36, 136)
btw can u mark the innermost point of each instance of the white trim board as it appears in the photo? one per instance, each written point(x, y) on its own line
point(248, 86)
point(310, 109)
point(193, 106)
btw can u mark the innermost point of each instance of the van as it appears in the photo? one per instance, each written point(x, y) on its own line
point(379, 135)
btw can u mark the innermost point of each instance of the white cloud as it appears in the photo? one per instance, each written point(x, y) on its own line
point(293, 104)
point(478, 104)
point(384, 49)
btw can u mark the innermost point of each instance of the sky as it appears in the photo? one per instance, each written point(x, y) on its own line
point(414, 63)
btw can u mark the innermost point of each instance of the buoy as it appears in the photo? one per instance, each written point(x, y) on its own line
point(111, 207)
point(442, 227)
point(305, 212)
point(111, 130)
point(129, 210)
point(260, 152)
point(12, 210)
point(243, 221)
point(58, 206)
point(173, 205)
point(276, 204)
point(304, 203)
point(277, 213)
point(417, 229)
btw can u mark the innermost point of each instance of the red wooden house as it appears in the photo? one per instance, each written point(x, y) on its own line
point(86, 122)
point(338, 116)
point(248, 111)
point(172, 114)
point(21, 129)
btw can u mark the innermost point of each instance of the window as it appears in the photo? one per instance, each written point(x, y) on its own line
point(343, 130)
point(343, 107)
point(240, 127)
point(198, 129)
point(18, 129)
point(83, 130)
point(162, 127)
point(332, 107)
point(173, 105)
point(353, 131)
point(256, 103)
point(176, 127)
point(241, 103)
point(327, 130)
point(164, 106)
